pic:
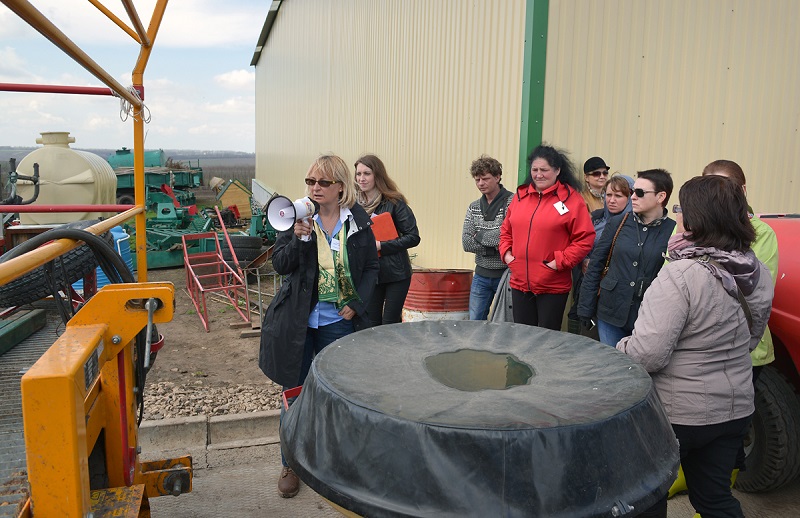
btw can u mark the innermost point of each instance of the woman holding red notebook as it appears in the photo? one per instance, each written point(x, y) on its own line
point(395, 233)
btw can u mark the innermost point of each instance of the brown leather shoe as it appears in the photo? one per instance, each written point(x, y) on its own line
point(288, 484)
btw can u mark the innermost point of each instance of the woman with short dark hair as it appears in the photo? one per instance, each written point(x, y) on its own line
point(701, 317)
point(632, 246)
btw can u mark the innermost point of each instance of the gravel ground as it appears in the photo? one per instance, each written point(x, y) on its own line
point(166, 399)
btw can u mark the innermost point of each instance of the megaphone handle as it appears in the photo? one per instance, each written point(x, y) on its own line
point(307, 237)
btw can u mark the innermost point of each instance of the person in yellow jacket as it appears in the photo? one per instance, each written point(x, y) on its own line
point(765, 247)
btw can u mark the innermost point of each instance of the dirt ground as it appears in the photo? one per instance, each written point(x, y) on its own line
point(220, 356)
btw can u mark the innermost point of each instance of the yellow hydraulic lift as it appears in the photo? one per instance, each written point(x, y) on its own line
point(83, 389)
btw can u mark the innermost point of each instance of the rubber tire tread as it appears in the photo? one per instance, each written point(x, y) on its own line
point(244, 255)
point(774, 460)
point(126, 199)
point(34, 285)
point(239, 242)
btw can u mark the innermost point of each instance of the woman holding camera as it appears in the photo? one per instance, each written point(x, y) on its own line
point(330, 266)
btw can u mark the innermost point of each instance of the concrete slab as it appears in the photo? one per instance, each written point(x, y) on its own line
point(228, 428)
point(172, 434)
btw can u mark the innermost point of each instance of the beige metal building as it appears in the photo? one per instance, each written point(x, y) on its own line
point(430, 85)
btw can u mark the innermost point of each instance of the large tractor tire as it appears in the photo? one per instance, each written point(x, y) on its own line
point(772, 444)
point(68, 268)
point(247, 248)
point(240, 242)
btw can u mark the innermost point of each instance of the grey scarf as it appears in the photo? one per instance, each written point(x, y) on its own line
point(737, 268)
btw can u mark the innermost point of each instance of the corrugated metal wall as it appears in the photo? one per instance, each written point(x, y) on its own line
point(426, 85)
point(677, 84)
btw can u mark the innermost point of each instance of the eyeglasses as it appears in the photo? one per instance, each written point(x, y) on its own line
point(322, 183)
point(597, 173)
point(677, 209)
point(641, 192)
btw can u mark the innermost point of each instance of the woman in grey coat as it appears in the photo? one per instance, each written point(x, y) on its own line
point(699, 320)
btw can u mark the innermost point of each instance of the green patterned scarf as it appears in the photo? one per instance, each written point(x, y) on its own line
point(335, 284)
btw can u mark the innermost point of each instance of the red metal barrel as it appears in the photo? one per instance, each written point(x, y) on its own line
point(438, 295)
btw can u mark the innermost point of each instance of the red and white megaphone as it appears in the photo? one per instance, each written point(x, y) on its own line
point(283, 212)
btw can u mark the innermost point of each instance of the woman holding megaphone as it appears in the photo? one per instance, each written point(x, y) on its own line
point(329, 280)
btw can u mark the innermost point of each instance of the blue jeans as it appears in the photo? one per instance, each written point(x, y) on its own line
point(481, 295)
point(609, 334)
point(316, 341)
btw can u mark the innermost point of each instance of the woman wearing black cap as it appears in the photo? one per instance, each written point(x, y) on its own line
point(595, 174)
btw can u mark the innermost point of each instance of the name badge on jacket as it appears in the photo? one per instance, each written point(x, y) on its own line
point(561, 208)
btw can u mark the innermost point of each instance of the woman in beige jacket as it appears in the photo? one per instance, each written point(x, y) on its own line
point(701, 317)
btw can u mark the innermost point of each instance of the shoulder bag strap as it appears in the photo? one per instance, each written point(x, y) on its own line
point(613, 242)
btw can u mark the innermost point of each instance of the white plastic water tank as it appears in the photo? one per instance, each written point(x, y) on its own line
point(66, 177)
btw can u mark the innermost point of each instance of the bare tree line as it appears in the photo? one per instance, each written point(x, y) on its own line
point(229, 172)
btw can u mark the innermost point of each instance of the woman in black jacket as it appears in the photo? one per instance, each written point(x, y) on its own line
point(330, 266)
point(379, 194)
point(636, 256)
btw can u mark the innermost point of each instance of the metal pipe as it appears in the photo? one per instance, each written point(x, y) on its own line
point(113, 17)
point(137, 23)
point(138, 141)
point(19, 266)
point(38, 21)
point(55, 89)
point(42, 209)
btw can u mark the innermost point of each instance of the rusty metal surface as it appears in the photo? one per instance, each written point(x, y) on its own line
point(118, 502)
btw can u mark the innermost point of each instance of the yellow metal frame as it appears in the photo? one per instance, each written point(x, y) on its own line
point(84, 384)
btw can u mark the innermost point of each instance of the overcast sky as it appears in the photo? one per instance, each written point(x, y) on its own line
point(199, 85)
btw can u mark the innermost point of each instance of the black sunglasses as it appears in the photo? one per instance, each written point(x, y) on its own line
point(641, 192)
point(597, 173)
point(322, 183)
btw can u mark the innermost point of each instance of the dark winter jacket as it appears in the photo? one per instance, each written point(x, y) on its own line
point(283, 332)
point(630, 272)
point(394, 262)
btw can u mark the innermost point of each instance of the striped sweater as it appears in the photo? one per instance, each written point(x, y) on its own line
point(481, 234)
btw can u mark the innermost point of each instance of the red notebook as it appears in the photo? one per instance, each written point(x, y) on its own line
point(383, 228)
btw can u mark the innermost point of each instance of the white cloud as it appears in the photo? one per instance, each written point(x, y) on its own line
point(195, 96)
point(13, 67)
point(237, 80)
point(195, 24)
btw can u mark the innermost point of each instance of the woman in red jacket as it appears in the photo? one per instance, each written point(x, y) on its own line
point(547, 231)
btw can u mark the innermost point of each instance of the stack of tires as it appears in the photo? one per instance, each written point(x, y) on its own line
point(247, 248)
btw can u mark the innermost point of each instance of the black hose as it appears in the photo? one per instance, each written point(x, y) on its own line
point(115, 269)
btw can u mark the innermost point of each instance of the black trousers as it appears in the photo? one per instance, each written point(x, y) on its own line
point(708, 455)
point(386, 304)
point(543, 310)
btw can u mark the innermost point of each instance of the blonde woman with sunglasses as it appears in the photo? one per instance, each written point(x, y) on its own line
point(328, 282)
